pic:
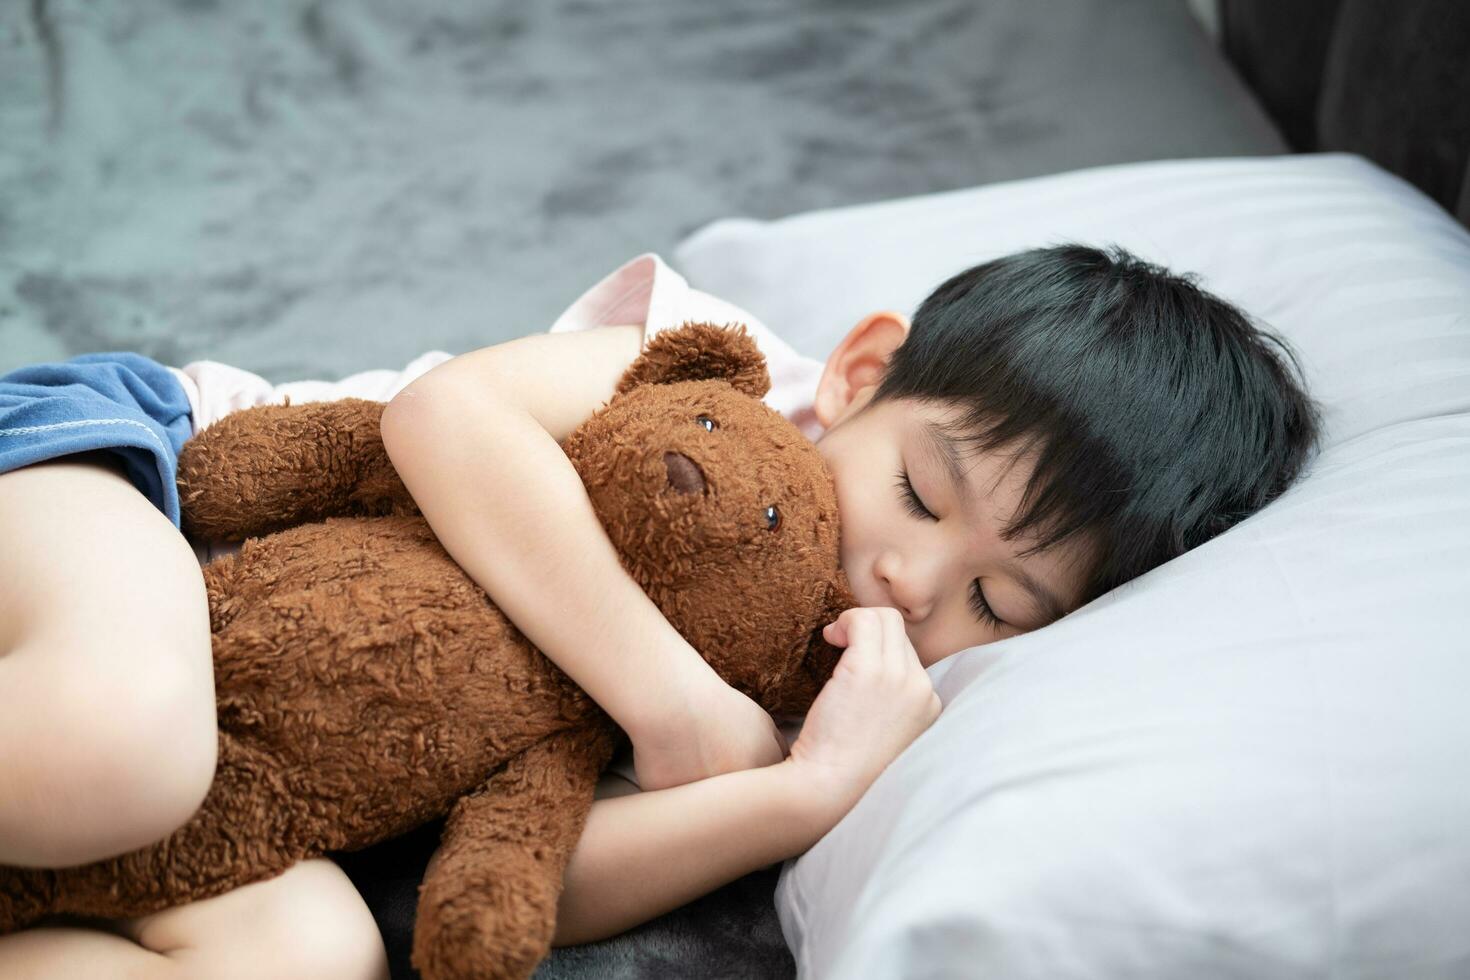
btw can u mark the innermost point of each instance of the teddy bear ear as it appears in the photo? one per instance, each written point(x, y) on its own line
point(701, 352)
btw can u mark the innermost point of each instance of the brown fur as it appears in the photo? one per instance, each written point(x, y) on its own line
point(366, 685)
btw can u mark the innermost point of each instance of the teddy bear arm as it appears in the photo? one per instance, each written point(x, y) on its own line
point(487, 905)
point(270, 467)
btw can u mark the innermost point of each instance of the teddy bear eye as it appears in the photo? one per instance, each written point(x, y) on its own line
point(709, 424)
point(773, 518)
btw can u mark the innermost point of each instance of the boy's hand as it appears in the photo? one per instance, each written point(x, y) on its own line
point(721, 731)
point(878, 700)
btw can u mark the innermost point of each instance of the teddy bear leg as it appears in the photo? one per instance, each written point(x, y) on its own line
point(270, 467)
point(487, 906)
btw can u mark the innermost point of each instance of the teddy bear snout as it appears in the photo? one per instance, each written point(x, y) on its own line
point(684, 474)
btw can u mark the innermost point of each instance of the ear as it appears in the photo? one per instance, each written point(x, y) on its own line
point(797, 690)
point(856, 365)
point(701, 352)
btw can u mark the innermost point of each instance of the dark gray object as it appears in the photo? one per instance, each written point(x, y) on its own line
point(1390, 81)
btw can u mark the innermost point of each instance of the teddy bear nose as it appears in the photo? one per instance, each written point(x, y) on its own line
point(684, 473)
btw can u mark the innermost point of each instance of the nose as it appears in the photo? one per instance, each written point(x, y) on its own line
point(684, 473)
point(909, 594)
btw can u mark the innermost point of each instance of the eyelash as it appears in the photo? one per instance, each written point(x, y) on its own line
point(910, 496)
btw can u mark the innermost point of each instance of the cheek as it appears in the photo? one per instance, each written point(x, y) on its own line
point(848, 509)
point(862, 488)
point(949, 637)
point(865, 523)
point(849, 522)
point(935, 647)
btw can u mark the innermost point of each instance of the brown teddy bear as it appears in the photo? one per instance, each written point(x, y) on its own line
point(365, 685)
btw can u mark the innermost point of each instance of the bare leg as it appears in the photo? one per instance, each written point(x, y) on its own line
point(250, 828)
point(308, 922)
point(107, 727)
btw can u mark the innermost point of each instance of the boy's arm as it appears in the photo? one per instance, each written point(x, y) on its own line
point(476, 442)
point(642, 854)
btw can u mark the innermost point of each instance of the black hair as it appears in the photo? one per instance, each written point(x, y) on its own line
point(1159, 415)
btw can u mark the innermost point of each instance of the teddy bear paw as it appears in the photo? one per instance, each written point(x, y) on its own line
point(494, 936)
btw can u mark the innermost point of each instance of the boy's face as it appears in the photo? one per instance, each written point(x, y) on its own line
point(925, 556)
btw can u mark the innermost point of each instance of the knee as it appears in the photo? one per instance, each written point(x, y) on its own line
point(107, 767)
point(317, 925)
point(159, 749)
point(174, 764)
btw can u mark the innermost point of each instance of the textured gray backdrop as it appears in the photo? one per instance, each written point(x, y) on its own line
point(306, 189)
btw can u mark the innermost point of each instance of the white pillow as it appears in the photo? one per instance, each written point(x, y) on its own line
point(1255, 760)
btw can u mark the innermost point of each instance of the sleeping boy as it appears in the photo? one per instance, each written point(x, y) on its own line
point(1049, 425)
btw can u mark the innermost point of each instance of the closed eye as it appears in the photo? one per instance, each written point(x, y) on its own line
point(981, 608)
point(978, 603)
point(911, 498)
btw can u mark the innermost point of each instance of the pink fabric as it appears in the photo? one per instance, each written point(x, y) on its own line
point(215, 389)
point(643, 290)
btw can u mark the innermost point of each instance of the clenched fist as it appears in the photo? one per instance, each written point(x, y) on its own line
point(878, 700)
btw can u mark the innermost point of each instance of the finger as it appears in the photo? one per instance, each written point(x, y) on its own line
point(909, 660)
point(865, 638)
point(835, 634)
point(895, 640)
point(895, 643)
point(842, 625)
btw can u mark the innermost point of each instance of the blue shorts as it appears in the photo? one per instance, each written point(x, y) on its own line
point(122, 402)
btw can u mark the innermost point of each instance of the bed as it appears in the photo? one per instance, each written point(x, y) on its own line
point(310, 189)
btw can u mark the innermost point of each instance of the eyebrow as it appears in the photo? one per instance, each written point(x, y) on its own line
point(944, 446)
